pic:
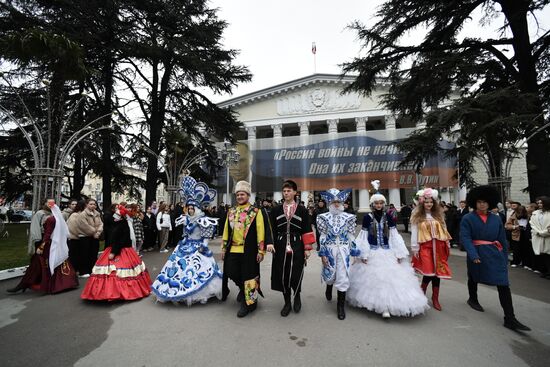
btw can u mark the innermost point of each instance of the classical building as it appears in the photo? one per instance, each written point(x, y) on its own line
point(310, 131)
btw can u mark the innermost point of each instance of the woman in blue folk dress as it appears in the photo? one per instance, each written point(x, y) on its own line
point(191, 273)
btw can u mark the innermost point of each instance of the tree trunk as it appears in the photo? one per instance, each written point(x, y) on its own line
point(155, 132)
point(78, 179)
point(108, 80)
point(538, 147)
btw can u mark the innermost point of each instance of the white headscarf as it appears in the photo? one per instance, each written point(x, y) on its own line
point(59, 251)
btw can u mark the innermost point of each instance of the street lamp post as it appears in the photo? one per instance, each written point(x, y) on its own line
point(228, 156)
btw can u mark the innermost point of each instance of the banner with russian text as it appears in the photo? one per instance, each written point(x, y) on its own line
point(317, 162)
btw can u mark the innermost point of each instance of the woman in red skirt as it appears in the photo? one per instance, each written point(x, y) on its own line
point(430, 242)
point(119, 273)
point(50, 270)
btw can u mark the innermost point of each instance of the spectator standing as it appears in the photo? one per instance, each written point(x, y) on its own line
point(69, 210)
point(540, 234)
point(406, 211)
point(137, 224)
point(321, 208)
point(462, 210)
point(149, 230)
point(517, 225)
point(164, 226)
point(452, 223)
point(90, 225)
point(76, 254)
point(393, 212)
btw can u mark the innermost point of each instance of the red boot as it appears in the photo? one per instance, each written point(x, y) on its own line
point(424, 286)
point(435, 298)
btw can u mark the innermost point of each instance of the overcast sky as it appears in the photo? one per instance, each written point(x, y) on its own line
point(275, 36)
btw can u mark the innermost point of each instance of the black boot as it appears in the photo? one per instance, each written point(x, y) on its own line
point(510, 321)
point(328, 293)
point(340, 305)
point(472, 300)
point(473, 303)
point(513, 324)
point(297, 302)
point(288, 306)
point(16, 289)
point(243, 311)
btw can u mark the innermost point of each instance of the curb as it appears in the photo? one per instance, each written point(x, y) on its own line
point(12, 273)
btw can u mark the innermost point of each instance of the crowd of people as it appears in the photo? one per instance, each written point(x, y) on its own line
point(65, 245)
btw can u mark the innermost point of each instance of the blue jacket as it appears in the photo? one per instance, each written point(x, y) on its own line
point(493, 269)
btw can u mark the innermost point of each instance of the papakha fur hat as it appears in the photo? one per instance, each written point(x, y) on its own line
point(243, 186)
point(486, 193)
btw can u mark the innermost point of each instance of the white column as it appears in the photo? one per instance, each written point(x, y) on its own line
point(390, 122)
point(225, 198)
point(332, 126)
point(277, 130)
point(253, 197)
point(446, 196)
point(361, 124)
point(395, 197)
point(364, 205)
point(461, 194)
point(304, 128)
point(251, 132)
point(304, 196)
point(277, 196)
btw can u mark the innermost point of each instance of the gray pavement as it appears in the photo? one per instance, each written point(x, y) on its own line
point(63, 330)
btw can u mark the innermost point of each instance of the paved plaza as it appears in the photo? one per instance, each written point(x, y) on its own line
point(63, 330)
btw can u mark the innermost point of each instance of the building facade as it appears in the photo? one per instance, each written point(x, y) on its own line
point(310, 131)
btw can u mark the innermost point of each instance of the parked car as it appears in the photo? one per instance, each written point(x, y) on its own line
point(20, 215)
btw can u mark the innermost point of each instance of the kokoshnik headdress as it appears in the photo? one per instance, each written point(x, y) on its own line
point(333, 195)
point(196, 193)
point(377, 196)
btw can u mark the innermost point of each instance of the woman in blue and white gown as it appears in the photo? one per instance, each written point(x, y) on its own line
point(191, 273)
point(383, 280)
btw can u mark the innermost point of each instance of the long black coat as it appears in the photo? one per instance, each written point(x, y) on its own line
point(287, 269)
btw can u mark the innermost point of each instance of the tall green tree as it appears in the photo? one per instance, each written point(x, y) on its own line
point(76, 45)
point(426, 73)
point(176, 52)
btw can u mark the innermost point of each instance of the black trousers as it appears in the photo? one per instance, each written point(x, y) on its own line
point(77, 255)
point(406, 224)
point(504, 296)
point(89, 247)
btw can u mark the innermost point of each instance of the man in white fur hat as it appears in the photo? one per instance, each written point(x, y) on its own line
point(245, 238)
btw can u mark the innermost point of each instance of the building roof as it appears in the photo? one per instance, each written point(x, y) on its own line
point(289, 86)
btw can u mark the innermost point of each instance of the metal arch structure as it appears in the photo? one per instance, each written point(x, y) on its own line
point(48, 171)
point(175, 171)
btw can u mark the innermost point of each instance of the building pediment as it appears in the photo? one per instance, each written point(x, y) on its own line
point(312, 94)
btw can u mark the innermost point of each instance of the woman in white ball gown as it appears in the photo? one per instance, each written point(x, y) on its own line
point(382, 279)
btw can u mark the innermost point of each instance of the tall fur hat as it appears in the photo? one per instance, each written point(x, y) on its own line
point(377, 196)
point(486, 193)
point(243, 186)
